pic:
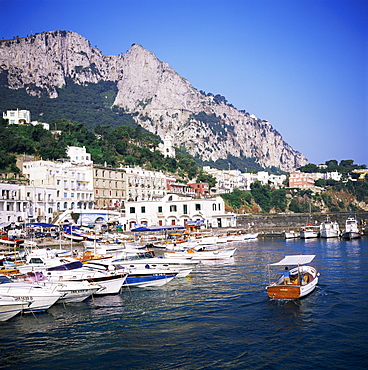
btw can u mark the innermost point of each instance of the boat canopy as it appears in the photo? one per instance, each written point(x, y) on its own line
point(158, 228)
point(300, 259)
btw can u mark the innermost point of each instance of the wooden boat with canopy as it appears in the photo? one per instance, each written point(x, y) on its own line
point(302, 280)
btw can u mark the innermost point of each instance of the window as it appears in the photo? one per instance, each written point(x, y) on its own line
point(143, 209)
point(65, 195)
point(72, 195)
point(185, 209)
point(214, 207)
point(173, 208)
point(197, 207)
point(159, 209)
point(132, 210)
point(219, 206)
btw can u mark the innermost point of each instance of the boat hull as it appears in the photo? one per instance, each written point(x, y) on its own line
point(9, 307)
point(148, 280)
point(348, 235)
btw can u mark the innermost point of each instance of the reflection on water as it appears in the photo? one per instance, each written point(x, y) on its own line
point(218, 317)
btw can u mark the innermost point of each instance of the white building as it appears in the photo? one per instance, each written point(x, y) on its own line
point(21, 117)
point(173, 209)
point(328, 175)
point(143, 184)
point(17, 117)
point(167, 148)
point(73, 182)
point(26, 203)
point(79, 155)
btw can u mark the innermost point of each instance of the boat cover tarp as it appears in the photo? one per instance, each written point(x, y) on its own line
point(195, 223)
point(40, 224)
point(300, 259)
point(158, 228)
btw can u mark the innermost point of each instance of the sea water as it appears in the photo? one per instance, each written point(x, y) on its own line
point(219, 317)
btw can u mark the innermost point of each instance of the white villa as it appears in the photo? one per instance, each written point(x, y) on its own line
point(21, 117)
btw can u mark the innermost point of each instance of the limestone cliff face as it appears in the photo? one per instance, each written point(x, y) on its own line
point(165, 101)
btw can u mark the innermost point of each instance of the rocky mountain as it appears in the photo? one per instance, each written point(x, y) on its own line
point(164, 102)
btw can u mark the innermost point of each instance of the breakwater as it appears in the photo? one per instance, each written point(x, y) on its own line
point(276, 224)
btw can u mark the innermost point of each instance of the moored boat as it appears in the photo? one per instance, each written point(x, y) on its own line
point(329, 229)
point(41, 298)
point(291, 234)
point(203, 254)
point(295, 283)
point(72, 291)
point(10, 307)
point(351, 229)
point(309, 231)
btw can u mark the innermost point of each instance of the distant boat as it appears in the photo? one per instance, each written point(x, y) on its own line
point(351, 229)
point(201, 253)
point(309, 231)
point(291, 234)
point(303, 278)
point(329, 229)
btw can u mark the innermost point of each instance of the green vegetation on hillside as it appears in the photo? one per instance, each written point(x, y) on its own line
point(123, 145)
point(89, 104)
point(344, 167)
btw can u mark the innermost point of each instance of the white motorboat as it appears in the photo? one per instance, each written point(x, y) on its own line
point(41, 298)
point(203, 254)
point(42, 261)
point(241, 237)
point(291, 234)
point(72, 291)
point(249, 236)
point(10, 307)
point(351, 229)
point(139, 277)
point(148, 260)
point(302, 279)
point(329, 229)
point(309, 231)
point(110, 282)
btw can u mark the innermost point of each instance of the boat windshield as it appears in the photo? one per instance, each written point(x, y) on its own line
point(4, 279)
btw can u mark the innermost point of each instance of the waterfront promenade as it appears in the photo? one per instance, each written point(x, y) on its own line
point(276, 224)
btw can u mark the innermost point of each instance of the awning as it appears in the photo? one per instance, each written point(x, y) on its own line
point(158, 228)
point(40, 224)
point(300, 259)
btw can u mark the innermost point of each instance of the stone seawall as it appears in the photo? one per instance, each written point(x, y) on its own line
point(276, 224)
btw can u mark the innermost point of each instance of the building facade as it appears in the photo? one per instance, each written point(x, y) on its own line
point(174, 209)
point(109, 187)
point(73, 183)
point(301, 180)
point(26, 203)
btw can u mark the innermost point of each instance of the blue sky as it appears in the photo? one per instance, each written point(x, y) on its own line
point(301, 65)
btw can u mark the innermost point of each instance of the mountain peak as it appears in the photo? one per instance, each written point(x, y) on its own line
point(164, 102)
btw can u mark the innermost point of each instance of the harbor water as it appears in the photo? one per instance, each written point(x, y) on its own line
point(217, 318)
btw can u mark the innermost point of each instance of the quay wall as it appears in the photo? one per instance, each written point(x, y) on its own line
point(275, 224)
